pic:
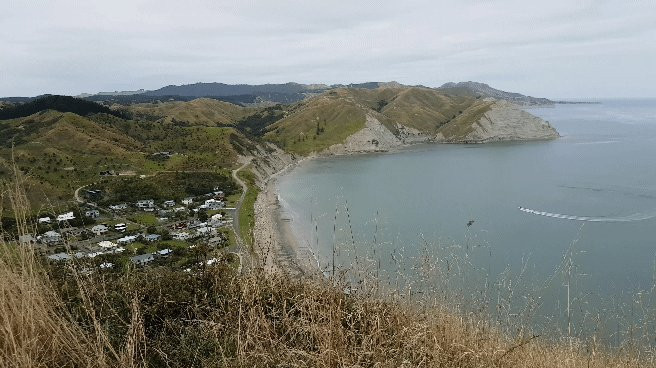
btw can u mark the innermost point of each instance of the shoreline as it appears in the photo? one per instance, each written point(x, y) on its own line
point(277, 246)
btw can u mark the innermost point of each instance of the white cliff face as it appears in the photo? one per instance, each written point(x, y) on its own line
point(374, 137)
point(505, 122)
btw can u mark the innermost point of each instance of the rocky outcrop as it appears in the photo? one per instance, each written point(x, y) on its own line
point(374, 137)
point(504, 121)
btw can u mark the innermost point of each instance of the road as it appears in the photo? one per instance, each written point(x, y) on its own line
point(244, 188)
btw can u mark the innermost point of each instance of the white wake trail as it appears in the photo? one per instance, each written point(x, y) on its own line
point(629, 218)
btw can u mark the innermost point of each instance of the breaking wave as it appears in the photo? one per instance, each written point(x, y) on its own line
point(629, 218)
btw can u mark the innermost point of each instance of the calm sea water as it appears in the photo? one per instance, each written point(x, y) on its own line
point(422, 200)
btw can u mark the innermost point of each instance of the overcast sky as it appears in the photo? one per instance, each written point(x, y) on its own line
point(548, 48)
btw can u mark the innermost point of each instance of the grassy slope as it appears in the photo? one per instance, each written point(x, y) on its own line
point(202, 111)
point(336, 112)
point(63, 151)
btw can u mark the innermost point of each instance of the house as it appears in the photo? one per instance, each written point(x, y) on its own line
point(106, 265)
point(188, 201)
point(179, 209)
point(92, 213)
point(127, 239)
point(170, 203)
point(119, 207)
point(120, 227)
point(65, 217)
point(26, 239)
point(107, 244)
point(59, 257)
point(213, 204)
point(50, 237)
point(219, 194)
point(117, 250)
point(205, 231)
point(99, 229)
point(181, 236)
point(93, 194)
point(146, 203)
point(44, 220)
point(94, 254)
point(152, 237)
point(164, 252)
point(143, 259)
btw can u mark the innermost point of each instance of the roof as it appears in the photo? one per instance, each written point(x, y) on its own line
point(142, 258)
point(59, 257)
point(164, 252)
point(106, 244)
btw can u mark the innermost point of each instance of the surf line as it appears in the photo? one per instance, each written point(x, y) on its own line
point(629, 218)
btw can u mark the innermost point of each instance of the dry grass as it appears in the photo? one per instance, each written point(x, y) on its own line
point(214, 317)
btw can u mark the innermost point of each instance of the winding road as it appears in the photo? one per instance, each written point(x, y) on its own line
point(244, 188)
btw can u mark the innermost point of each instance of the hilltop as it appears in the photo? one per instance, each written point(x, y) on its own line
point(475, 89)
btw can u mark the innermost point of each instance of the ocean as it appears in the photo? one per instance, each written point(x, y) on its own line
point(563, 231)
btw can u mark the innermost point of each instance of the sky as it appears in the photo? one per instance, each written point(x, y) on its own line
point(554, 48)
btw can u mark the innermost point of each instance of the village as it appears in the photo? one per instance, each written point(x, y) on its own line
point(195, 231)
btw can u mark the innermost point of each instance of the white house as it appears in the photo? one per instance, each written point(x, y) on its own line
point(181, 236)
point(119, 207)
point(99, 229)
point(44, 220)
point(170, 203)
point(205, 230)
point(142, 260)
point(146, 203)
point(127, 239)
point(152, 237)
point(106, 265)
point(107, 244)
point(164, 252)
point(120, 227)
point(188, 201)
point(59, 257)
point(50, 237)
point(65, 217)
point(213, 204)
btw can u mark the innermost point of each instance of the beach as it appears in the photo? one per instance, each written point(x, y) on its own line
point(276, 245)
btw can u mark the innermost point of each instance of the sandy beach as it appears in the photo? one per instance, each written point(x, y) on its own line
point(277, 247)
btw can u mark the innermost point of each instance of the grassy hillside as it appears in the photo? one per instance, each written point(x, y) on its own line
point(63, 151)
point(202, 111)
point(322, 121)
point(318, 123)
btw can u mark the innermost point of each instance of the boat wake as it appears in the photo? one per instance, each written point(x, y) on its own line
point(629, 218)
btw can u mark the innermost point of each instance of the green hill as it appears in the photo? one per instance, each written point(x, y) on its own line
point(58, 103)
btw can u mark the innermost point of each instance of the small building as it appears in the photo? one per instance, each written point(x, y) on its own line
point(205, 231)
point(92, 214)
point(99, 229)
point(145, 203)
point(50, 238)
point(164, 252)
point(65, 217)
point(127, 240)
point(107, 244)
point(213, 204)
point(219, 194)
point(44, 220)
point(179, 209)
point(152, 237)
point(119, 207)
point(170, 203)
point(120, 227)
point(181, 236)
point(93, 194)
point(188, 201)
point(106, 265)
point(143, 259)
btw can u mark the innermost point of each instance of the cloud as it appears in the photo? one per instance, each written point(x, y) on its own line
point(71, 46)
